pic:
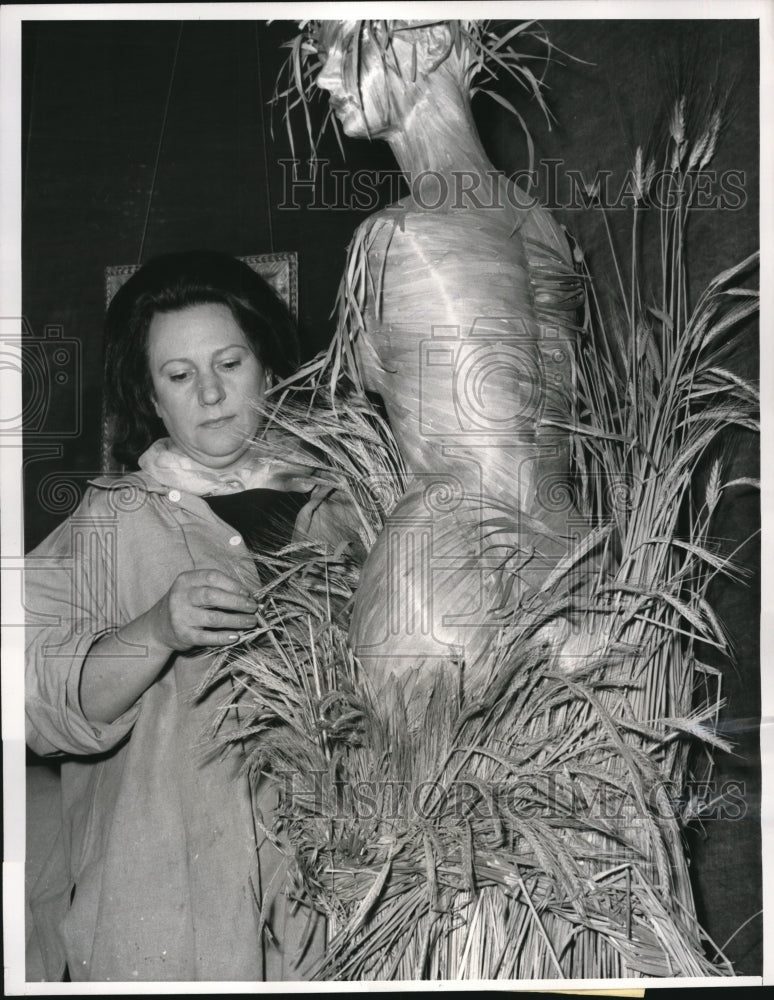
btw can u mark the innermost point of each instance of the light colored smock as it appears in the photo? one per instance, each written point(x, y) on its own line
point(156, 872)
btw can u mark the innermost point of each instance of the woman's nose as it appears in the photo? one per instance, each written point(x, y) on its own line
point(211, 390)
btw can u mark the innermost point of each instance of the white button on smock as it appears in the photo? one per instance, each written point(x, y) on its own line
point(235, 540)
point(174, 495)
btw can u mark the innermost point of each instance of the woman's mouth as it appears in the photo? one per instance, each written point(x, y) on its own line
point(216, 422)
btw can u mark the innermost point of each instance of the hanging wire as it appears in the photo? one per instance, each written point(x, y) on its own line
point(160, 144)
point(263, 138)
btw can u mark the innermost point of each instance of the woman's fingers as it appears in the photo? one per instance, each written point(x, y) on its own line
point(216, 579)
point(205, 607)
point(217, 597)
point(210, 618)
point(209, 637)
point(210, 628)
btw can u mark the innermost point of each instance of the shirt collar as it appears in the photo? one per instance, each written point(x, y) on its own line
point(122, 480)
point(146, 484)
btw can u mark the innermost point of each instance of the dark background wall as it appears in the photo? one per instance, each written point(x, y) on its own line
point(100, 188)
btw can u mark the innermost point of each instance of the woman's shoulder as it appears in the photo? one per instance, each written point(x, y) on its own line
point(105, 501)
point(120, 494)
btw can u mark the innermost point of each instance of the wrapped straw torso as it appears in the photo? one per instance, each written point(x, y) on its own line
point(468, 335)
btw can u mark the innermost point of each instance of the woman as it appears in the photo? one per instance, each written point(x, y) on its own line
point(161, 859)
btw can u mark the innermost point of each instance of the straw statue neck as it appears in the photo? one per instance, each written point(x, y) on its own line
point(439, 136)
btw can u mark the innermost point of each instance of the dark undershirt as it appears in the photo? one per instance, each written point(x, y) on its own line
point(264, 518)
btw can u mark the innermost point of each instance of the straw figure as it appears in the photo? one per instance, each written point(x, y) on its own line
point(467, 341)
point(480, 719)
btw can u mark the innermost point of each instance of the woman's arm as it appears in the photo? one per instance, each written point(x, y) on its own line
point(201, 608)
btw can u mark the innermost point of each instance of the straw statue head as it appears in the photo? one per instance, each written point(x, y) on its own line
point(381, 75)
point(378, 73)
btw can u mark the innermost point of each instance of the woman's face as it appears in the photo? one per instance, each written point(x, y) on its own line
point(368, 110)
point(207, 383)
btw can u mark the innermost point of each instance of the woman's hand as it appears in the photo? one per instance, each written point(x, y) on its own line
point(203, 607)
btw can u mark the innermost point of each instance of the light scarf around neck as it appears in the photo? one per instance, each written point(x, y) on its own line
point(170, 466)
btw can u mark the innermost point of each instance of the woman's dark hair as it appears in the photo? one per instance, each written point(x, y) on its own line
point(169, 284)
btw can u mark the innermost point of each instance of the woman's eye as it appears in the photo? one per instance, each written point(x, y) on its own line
point(179, 376)
point(231, 364)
